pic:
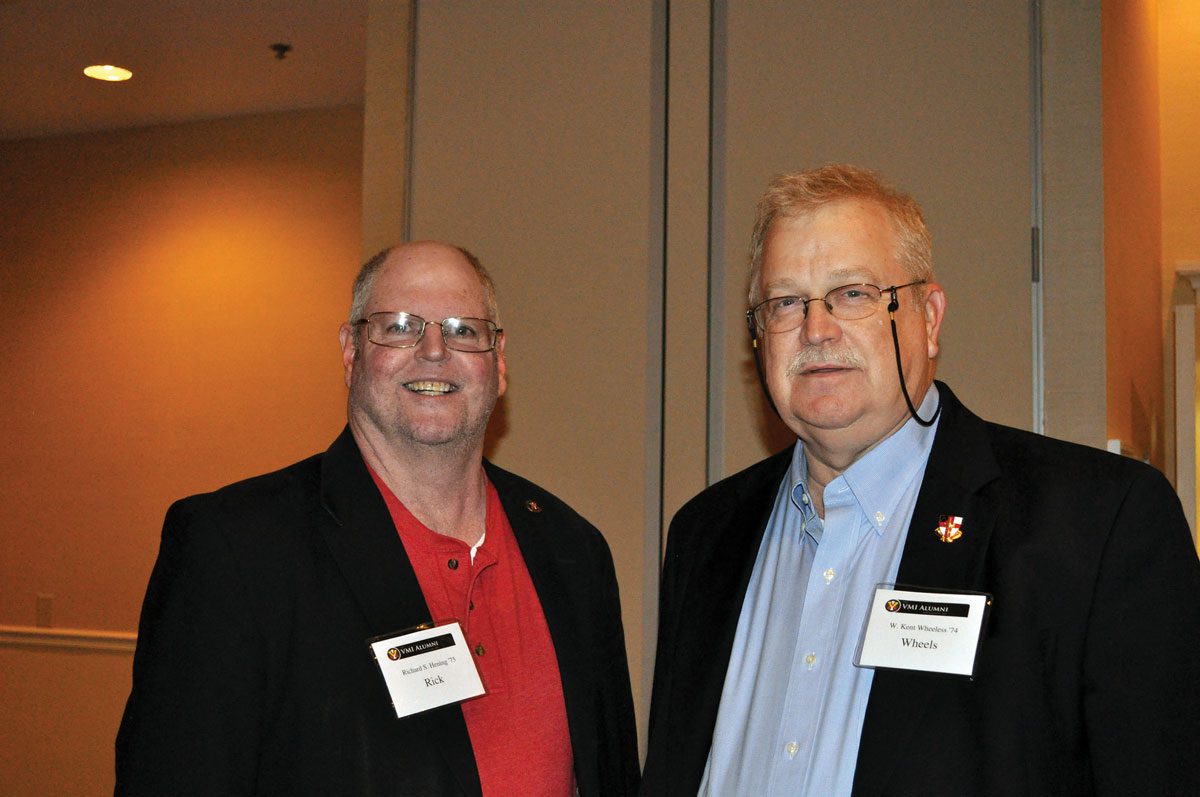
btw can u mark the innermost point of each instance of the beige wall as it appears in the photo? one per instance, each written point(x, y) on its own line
point(1179, 120)
point(534, 141)
point(1072, 194)
point(171, 298)
point(1179, 71)
point(935, 95)
point(1132, 229)
point(59, 711)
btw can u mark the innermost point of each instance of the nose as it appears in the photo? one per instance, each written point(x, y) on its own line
point(819, 324)
point(432, 346)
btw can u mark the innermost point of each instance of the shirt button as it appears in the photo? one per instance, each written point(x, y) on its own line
point(791, 748)
point(452, 564)
point(480, 649)
point(804, 498)
point(879, 517)
point(829, 575)
point(810, 660)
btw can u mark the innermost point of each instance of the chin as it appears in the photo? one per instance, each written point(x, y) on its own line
point(431, 436)
point(825, 412)
point(437, 435)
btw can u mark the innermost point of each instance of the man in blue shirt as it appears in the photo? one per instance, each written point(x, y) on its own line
point(1084, 675)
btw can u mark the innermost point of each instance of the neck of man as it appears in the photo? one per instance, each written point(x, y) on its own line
point(829, 454)
point(444, 486)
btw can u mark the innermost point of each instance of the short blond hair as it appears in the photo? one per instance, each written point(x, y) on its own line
point(799, 193)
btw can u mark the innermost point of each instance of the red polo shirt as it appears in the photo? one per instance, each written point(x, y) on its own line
point(519, 728)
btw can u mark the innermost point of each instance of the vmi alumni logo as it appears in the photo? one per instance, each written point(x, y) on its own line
point(927, 607)
point(393, 653)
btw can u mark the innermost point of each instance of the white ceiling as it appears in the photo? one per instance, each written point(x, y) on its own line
point(191, 59)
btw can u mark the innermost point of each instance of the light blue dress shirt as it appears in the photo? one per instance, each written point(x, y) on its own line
point(793, 702)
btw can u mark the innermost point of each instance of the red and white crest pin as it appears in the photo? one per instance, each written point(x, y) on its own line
point(949, 528)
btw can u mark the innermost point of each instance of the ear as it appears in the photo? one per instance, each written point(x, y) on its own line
point(346, 338)
point(935, 310)
point(501, 365)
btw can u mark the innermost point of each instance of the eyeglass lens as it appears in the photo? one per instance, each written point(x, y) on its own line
point(847, 302)
point(404, 330)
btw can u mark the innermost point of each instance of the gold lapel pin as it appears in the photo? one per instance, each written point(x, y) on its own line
point(949, 528)
point(533, 506)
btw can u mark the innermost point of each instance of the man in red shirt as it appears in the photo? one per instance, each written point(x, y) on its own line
point(254, 674)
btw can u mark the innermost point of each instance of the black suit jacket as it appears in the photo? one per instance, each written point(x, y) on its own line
point(252, 673)
point(1088, 680)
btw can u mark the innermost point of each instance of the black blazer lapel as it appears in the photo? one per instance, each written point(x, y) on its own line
point(960, 464)
point(365, 545)
point(368, 551)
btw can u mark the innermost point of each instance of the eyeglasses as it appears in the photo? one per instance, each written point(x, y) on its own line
point(399, 330)
point(846, 303)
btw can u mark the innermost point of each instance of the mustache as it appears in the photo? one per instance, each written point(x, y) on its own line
point(821, 356)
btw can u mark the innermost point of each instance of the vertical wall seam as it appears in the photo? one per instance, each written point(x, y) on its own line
point(1037, 218)
point(714, 450)
point(410, 133)
point(654, 534)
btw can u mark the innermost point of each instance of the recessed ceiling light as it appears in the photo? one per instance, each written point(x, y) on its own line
point(107, 72)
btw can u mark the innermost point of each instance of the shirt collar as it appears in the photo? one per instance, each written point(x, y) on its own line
point(798, 479)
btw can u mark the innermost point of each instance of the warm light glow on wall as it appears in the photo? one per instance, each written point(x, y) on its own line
point(107, 72)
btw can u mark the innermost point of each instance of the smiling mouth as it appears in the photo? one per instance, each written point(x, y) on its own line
point(430, 388)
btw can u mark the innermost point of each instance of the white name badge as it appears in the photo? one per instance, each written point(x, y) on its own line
point(427, 668)
point(935, 632)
